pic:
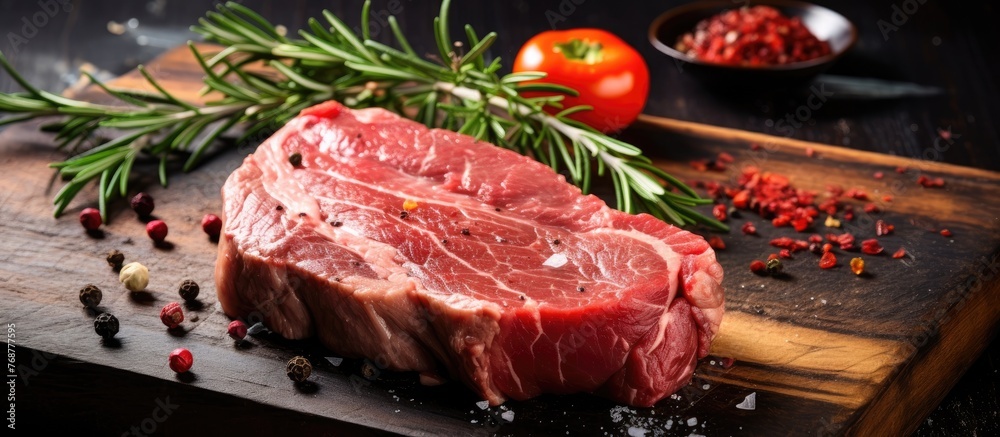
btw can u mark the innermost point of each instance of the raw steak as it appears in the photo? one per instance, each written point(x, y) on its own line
point(425, 250)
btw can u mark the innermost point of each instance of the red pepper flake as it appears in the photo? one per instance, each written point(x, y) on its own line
point(741, 200)
point(827, 247)
point(758, 267)
point(781, 221)
point(846, 241)
point(945, 233)
point(755, 146)
point(726, 158)
point(815, 238)
point(878, 175)
point(872, 208)
point(901, 169)
point(899, 253)
point(785, 253)
point(857, 194)
point(810, 152)
point(944, 134)
point(927, 182)
point(700, 165)
point(772, 256)
point(802, 223)
point(828, 261)
point(883, 228)
point(887, 198)
point(749, 228)
point(719, 212)
point(871, 247)
point(717, 243)
point(783, 243)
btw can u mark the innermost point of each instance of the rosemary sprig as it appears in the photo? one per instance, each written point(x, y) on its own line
point(457, 91)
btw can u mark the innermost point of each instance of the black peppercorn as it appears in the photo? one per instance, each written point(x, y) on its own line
point(116, 259)
point(189, 290)
point(774, 266)
point(298, 369)
point(556, 242)
point(403, 214)
point(295, 159)
point(106, 325)
point(369, 371)
point(337, 224)
point(581, 289)
point(465, 231)
point(90, 296)
point(142, 204)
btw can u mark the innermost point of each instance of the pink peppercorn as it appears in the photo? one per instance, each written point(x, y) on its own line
point(237, 330)
point(180, 360)
point(157, 230)
point(171, 315)
point(90, 218)
point(212, 225)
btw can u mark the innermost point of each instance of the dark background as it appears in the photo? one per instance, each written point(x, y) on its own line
point(945, 44)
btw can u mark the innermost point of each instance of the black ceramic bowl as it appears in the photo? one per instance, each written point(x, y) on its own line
point(827, 25)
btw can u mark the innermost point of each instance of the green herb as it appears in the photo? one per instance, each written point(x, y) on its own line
point(455, 89)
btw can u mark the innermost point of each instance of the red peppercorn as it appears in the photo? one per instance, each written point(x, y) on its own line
point(878, 175)
point(749, 228)
point(899, 253)
point(827, 247)
point(828, 261)
point(157, 230)
point(901, 169)
point(871, 247)
point(871, 208)
point(171, 315)
point(784, 253)
point(815, 238)
point(90, 218)
point(237, 330)
point(142, 204)
point(212, 225)
point(758, 266)
point(945, 233)
point(719, 212)
point(180, 360)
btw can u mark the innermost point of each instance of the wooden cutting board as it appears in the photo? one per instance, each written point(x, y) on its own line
point(822, 351)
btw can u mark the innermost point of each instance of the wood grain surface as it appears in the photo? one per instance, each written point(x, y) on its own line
point(824, 352)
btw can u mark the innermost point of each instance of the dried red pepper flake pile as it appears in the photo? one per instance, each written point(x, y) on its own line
point(752, 36)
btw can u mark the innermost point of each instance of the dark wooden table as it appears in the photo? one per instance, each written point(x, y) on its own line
point(944, 44)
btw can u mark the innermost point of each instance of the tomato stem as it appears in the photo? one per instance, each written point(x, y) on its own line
point(580, 50)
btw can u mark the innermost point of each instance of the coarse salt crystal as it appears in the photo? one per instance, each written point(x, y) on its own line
point(556, 260)
point(508, 416)
point(749, 403)
point(335, 360)
point(636, 432)
point(483, 405)
point(692, 421)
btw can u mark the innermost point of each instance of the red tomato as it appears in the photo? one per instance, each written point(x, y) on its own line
point(609, 74)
